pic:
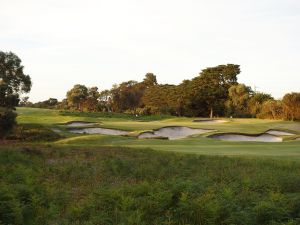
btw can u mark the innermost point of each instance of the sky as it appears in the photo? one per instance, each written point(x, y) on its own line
point(99, 43)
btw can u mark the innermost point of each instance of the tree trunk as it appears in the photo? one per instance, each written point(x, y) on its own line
point(211, 112)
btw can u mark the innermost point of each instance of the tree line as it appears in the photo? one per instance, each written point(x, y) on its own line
point(215, 92)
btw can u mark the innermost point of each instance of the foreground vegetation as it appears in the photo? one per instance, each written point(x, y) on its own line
point(51, 185)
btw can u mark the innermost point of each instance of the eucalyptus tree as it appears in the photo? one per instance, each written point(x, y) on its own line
point(13, 83)
point(77, 95)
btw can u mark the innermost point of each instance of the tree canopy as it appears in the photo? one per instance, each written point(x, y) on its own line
point(214, 92)
point(13, 82)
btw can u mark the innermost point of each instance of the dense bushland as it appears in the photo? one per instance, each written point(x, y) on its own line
point(121, 186)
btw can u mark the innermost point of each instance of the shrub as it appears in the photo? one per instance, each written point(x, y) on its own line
point(271, 109)
point(7, 121)
point(33, 133)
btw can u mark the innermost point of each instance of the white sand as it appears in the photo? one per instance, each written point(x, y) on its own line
point(173, 132)
point(278, 133)
point(99, 130)
point(79, 124)
point(243, 137)
point(56, 130)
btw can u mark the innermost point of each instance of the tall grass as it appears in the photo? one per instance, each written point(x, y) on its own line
point(63, 186)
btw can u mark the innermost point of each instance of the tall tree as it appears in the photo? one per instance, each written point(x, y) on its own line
point(210, 89)
point(149, 80)
point(105, 101)
point(291, 105)
point(13, 82)
point(91, 102)
point(77, 95)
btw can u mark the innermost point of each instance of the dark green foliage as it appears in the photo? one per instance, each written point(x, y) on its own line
point(122, 186)
point(211, 87)
point(7, 121)
point(163, 98)
point(13, 82)
point(76, 96)
point(238, 98)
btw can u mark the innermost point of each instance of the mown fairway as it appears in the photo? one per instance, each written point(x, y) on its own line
point(198, 144)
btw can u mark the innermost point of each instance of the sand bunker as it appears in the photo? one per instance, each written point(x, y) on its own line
point(210, 121)
point(99, 130)
point(278, 133)
point(173, 132)
point(244, 137)
point(79, 124)
point(56, 130)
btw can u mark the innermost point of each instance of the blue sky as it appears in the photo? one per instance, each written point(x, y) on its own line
point(99, 43)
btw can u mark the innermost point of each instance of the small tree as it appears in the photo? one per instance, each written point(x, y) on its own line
point(13, 82)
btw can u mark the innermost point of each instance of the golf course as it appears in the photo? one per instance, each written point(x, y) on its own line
point(53, 175)
point(57, 122)
point(149, 112)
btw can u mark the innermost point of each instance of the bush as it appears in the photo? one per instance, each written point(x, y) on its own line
point(33, 133)
point(271, 109)
point(7, 121)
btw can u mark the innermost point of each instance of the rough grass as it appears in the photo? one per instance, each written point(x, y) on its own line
point(33, 133)
point(62, 186)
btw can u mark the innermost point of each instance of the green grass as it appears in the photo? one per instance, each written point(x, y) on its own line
point(288, 150)
point(198, 144)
